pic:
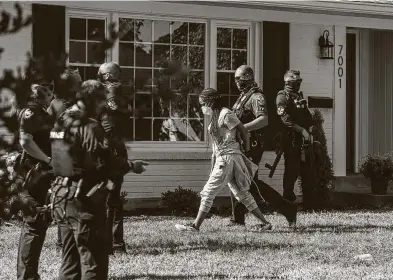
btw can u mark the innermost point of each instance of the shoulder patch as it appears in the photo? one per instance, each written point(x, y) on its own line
point(112, 104)
point(27, 114)
point(280, 110)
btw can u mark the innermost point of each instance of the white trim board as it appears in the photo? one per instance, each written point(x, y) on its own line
point(247, 13)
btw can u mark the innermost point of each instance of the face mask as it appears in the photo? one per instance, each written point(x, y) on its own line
point(207, 110)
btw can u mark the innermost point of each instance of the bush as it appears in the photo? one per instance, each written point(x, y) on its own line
point(377, 166)
point(181, 202)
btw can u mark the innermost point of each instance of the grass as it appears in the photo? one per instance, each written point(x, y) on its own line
point(324, 247)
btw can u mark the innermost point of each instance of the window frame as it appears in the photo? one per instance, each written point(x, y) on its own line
point(250, 45)
point(85, 15)
point(204, 148)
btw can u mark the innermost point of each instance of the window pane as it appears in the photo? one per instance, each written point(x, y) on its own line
point(196, 34)
point(233, 87)
point(194, 109)
point(143, 130)
point(143, 30)
point(197, 57)
point(160, 130)
point(179, 32)
point(161, 53)
point(223, 60)
point(160, 108)
point(126, 54)
point(223, 83)
point(161, 32)
point(195, 130)
point(143, 105)
point(77, 53)
point(96, 29)
point(127, 76)
point(232, 100)
point(196, 81)
point(126, 28)
point(224, 38)
point(129, 131)
point(179, 106)
point(238, 58)
point(143, 79)
point(179, 53)
point(81, 70)
point(91, 73)
point(240, 39)
point(77, 29)
point(226, 100)
point(143, 55)
point(95, 53)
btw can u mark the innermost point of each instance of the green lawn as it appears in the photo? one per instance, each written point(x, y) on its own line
point(323, 248)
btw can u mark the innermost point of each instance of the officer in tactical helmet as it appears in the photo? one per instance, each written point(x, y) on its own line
point(85, 168)
point(296, 120)
point(250, 108)
point(115, 121)
point(34, 128)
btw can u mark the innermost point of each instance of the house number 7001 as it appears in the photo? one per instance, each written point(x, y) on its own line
point(340, 70)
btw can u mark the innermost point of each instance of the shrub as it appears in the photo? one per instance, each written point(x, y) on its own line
point(377, 166)
point(181, 202)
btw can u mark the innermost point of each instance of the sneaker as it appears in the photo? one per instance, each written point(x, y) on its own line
point(261, 227)
point(191, 227)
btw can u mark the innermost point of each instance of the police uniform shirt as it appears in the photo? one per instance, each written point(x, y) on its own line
point(57, 106)
point(295, 119)
point(35, 121)
point(256, 105)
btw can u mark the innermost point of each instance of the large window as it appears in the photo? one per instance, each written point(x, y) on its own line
point(232, 52)
point(84, 36)
point(165, 105)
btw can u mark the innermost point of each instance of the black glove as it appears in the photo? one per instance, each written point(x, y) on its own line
point(137, 166)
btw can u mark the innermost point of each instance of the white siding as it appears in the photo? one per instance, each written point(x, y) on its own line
point(15, 45)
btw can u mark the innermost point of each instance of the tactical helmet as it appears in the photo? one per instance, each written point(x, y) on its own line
point(292, 76)
point(109, 71)
point(244, 73)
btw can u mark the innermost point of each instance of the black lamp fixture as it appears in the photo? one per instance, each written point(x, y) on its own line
point(326, 47)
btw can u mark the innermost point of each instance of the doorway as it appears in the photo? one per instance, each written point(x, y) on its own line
point(351, 99)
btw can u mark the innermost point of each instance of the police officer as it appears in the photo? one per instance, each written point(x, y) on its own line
point(296, 120)
point(34, 128)
point(66, 87)
point(251, 110)
point(83, 163)
point(115, 121)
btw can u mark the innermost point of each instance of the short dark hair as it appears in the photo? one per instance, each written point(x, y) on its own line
point(212, 98)
point(91, 89)
point(65, 82)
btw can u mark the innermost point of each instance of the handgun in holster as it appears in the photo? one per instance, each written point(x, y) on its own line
point(100, 191)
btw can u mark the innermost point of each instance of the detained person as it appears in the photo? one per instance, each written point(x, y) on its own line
point(230, 167)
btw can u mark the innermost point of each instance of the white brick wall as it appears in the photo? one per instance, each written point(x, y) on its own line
point(15, 45)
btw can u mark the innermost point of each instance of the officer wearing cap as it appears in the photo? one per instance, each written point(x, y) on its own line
point(251, 109)
point(34, 128)
point(296, 120)
point(115, 122)
point(85, 167)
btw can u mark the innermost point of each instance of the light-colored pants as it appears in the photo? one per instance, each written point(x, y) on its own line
point(223, 174)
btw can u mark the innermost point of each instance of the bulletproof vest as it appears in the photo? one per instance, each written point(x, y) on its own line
point(245, 116)
point(41, 136)
point(299, 113)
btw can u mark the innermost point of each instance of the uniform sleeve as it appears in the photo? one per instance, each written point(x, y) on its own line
point(29, 121)
point(258, 105)
point(95, 143)
point(282, 111)
point(230, 120)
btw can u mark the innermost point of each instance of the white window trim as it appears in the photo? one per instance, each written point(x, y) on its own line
point(88, 15)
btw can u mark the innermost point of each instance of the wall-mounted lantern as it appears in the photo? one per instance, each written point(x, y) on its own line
point(326, 47)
